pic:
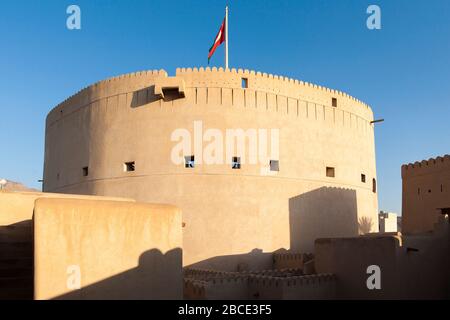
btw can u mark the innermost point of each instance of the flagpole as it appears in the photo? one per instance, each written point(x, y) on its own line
point(226, 37)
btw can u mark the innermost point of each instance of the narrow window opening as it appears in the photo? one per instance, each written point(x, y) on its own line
point(236, 163)
point(429, 190)
point(189, 161)
point(244, 83)
point(85, 171)
point(363, 178)
point(418, 191)
point(129, 166)
point(442, 188)
point(374, 185)
point(334, 102)
point(274, 165)
point(330, 172)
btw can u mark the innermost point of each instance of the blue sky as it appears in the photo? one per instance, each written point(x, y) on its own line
point(402, 70)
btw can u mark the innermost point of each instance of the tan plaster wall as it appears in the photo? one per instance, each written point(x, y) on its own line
point(18, 206)
point(123, 250)
point(313, 287)
point(426, 187)
point(348, 259)
point(388, 222)
point(226, 212)
point(412, 267)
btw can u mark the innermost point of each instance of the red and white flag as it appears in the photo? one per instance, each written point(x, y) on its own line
point(220, 38)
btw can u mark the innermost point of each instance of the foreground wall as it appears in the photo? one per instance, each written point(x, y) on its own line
point(426, 188)
point(411, 267)
point(112, 250)
point(91, 135)
point(17, 207)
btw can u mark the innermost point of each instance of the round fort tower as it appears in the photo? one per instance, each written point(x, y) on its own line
point(122, 137)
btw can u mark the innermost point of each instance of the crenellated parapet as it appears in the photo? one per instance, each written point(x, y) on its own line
point(257, 81)
point(219, 86)
point(194, 289)
point(318, 286)
point(314, 279)
point(425, 167)
point(209, 275)
point(271, 284)
point(103, 89)
point(291, 260)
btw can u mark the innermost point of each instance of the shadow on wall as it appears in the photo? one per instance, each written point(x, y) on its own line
point(147, 95)
point(252, 261)
point(365, 225)
point(322, 213)
point(152, 279)
point(16, 263)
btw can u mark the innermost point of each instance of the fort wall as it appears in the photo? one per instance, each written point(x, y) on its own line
point(291, 260)
point(16, 207)
point(426, 187)
point(410, 267)
point(106, 250)
point(264, 285)
point(126, 118)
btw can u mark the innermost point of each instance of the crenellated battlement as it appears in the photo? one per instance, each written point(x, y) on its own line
point(113, 86)
point(283, 88)
point(266, 280)
point(260, 285)
point(214, 275)
point(193, 272)
point(217, 87)
point(260, 276)
point(194, 289)
point(424, 167)
point(138, 74)
point(276, 81)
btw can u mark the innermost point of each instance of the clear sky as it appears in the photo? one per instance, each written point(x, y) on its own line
point(402, 71)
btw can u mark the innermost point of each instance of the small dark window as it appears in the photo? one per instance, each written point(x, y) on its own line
point(129, 166)
point(189, 162)
point(418, 191)
point(429, 190)
point(57, 176)
point(244, 83)
point(330, 172)
point(85, 171)
point(374, 185)
point(274, 165)
point(442, 188)
point(236, 163)
point(334, 102)
point(363, 178)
